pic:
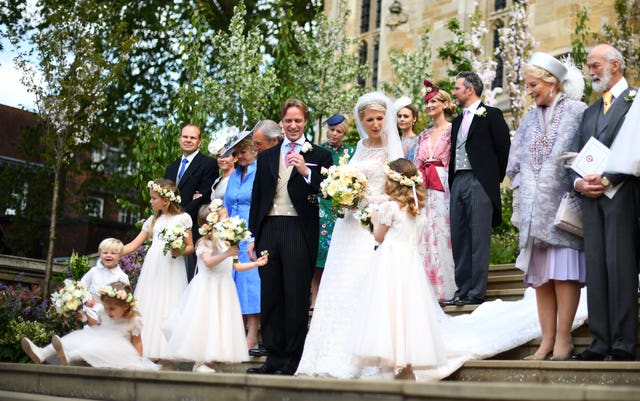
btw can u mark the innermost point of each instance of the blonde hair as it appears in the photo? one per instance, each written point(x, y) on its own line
point(403, 194)
point(173, 207)
point(377, 105)
point(444, 97)
point(210, 239)
point(111, 244)
point(132, 311)
point(542, 74)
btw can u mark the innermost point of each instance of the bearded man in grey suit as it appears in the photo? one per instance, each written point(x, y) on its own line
point(611, 232)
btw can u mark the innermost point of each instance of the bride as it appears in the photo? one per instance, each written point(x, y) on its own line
point(326, 350)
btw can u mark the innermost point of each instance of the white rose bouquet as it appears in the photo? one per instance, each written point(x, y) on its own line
point(174, 238)
point(232, 230)
point(70, 298)
point(364, 216)
point(346, 185)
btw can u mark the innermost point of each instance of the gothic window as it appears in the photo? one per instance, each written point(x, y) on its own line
point(378, 12)
point(376, 51)
point(365, 14)
point(500, 5)
point(362, 58)
point(498, 80)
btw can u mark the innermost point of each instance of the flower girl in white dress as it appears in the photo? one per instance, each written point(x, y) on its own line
point(206, 326)
point(163, 277)
point(111, 341)
point(397, 322)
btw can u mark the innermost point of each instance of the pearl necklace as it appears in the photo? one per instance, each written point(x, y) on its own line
point(542, 143)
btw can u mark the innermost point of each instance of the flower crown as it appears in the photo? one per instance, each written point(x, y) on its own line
point(164, 192)
point(212, 218)
point(401, 178)
point(120, 294)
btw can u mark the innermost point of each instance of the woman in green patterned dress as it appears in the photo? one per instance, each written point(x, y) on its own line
point(338, 128)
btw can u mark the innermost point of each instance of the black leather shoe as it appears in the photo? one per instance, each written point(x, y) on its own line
point(259, 351)
point(262, 370)
point(587, 355)
point(467, 301)
point(619, 355)
point(283, 372)
point(449, 302)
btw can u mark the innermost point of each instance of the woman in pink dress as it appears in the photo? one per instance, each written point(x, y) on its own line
point(432, 159)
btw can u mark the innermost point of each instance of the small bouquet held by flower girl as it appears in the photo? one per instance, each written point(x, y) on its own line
point(364, 216)
point(174, 238)
point(70, 298)
point(346, 185)
point(232, 230)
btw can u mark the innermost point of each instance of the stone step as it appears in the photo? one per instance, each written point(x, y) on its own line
point(15, 396)
point(81, 383)
point(508, 268)
point(506, 281)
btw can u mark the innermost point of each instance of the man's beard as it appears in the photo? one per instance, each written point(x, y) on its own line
point(603, 82)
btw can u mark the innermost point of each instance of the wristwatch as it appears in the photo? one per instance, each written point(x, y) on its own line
point(605, 181)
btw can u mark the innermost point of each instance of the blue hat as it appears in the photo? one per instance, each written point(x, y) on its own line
point(335, 119)
point(233, 141)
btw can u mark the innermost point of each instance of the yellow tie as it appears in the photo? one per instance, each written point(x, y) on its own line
point(606, 99)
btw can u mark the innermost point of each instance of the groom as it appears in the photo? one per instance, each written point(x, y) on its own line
point(284, 220)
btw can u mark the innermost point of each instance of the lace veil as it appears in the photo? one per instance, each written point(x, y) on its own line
point(390, 136)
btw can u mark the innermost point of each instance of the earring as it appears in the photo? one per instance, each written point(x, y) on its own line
point(551, 93)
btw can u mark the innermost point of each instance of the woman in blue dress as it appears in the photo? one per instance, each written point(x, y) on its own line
point(237, 200)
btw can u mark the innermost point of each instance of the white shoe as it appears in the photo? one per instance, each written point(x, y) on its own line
point(35, 353)
point(57, 345)
point(200, 367)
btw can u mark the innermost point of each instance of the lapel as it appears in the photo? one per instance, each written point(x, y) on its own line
point(474, 121)
point(616, 114)
point(455, 127)
point(191, 167)
point(273, 161)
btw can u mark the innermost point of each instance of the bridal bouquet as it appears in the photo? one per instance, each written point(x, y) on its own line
point(345, 185)
point(70, 298)
point(174, 238)
point(364, 217)
point(232, 230)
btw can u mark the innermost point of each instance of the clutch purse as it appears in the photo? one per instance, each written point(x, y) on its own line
point(569, 214)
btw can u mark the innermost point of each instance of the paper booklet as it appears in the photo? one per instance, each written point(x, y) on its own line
point(592, 159)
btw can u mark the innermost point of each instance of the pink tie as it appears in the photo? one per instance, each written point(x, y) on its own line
point(292, 149)
point(466, 122)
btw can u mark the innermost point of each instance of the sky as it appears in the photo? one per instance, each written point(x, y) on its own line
point(12, 92)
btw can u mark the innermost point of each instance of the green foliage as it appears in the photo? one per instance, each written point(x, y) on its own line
point(78, 266)
point(625, 35)
point(579, 44)
point(410, 69)
point(505, 237)
point(12, 333)
point(455, 51)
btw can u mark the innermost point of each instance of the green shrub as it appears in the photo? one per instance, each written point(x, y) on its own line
point(504, 238)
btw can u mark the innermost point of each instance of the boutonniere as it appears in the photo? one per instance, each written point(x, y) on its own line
point(630, 96)
point(306, 147)
point(481, 112)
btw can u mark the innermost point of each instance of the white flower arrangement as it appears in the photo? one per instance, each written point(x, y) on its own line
point(212, 218)
point(401, 178)
point(232, 230)
point(630, 96)
point(174, 238)
point(221, 136)
point(70, 298)
point(164, 192)
point(307, 147)
point(120, 294)
point(481, 112)
point(346, 185)
point(364, 216)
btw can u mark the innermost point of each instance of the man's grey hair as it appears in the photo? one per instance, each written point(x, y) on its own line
point(614, 54)
point(269, 128)
point(472, 80)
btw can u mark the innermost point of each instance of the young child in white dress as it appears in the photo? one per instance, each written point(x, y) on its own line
point(206, 326)
point(397, 328)
point(110, 341)
point(104, 272)
point(163, 277)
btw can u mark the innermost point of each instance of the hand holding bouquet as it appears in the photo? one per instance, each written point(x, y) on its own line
point(232, 230)
point(345, 185)
point(364, 216)
point(70, 298)
point(174, 238)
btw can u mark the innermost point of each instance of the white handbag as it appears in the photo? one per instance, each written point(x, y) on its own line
point(569, 215)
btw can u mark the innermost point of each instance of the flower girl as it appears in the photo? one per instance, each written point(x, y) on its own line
point(206, 325)
point(397, 327)
point(110, 341)
point(163, 277)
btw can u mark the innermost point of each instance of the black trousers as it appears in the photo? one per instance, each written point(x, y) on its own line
point(285, 285)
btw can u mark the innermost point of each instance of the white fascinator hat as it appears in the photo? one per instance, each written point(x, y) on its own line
point(565, 71)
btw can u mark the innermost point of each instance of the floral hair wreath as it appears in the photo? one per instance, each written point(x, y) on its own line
point(401, 178)
point(212, 218)
point(120, 294)
point(164, 192)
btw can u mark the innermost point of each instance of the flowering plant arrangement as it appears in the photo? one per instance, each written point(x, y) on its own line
point(120, 294)
point(212, 218)
point(306, 147)
point(401, 178)
point(364, 216)
point(630, 96)
point(70, 298)
point(481, 112)
point(174, 238)
point(346, 185)
point(232, 230)
point(164, 192)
